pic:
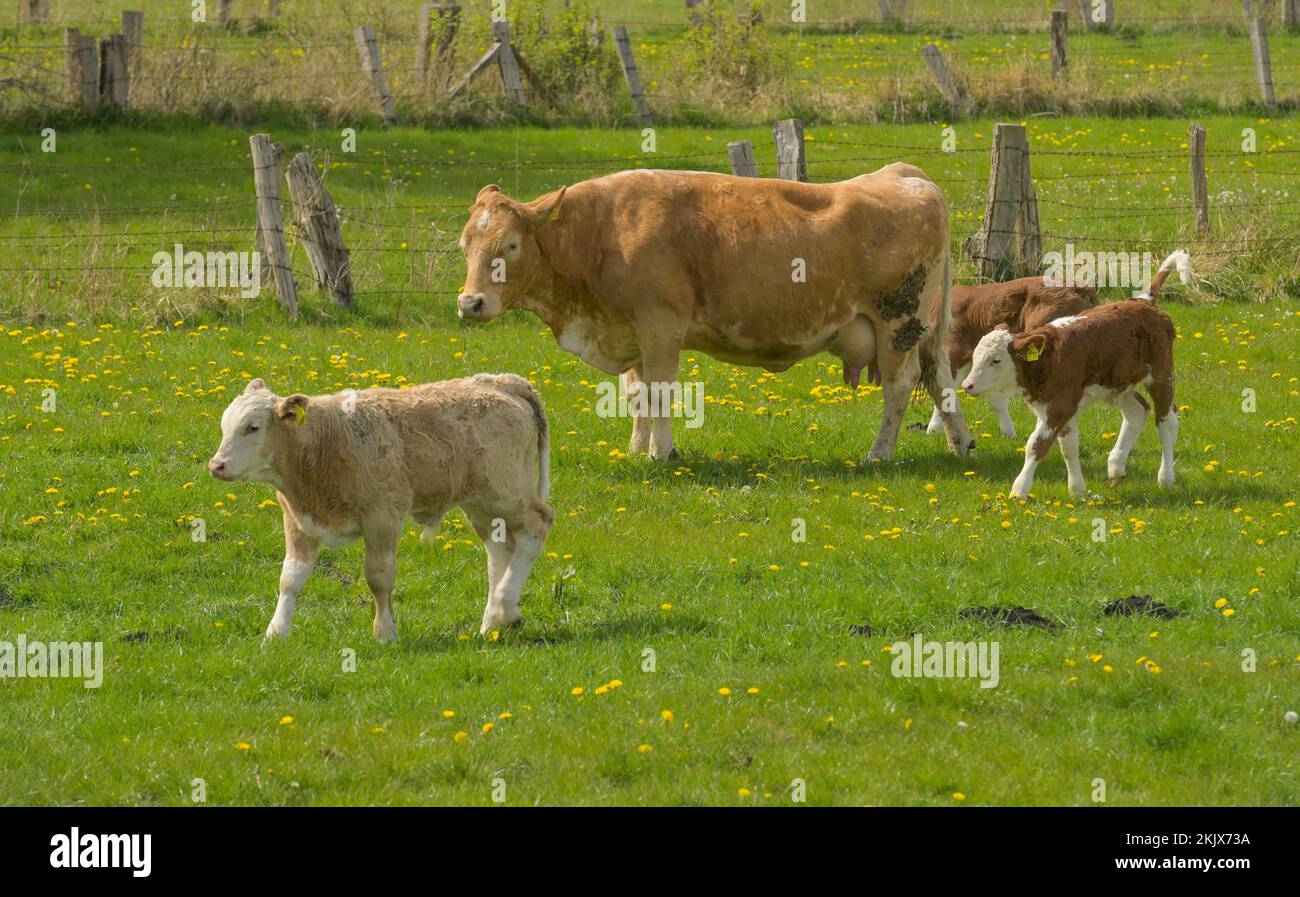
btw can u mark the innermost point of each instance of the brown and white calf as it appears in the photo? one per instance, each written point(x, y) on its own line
point(1017, 306)
point(356, 464)
point(1100, 354)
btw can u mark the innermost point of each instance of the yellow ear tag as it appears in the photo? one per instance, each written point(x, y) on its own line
point(1034, 353)
point(555, 214)
point(301, 413)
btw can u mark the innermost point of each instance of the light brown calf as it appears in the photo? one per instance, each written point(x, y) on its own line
point(1017, 306)
point(357, 464)
point(1103, 353)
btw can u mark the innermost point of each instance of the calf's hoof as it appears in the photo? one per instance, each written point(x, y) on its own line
point(1116, 479)
point(494, 620)
point(385, 632)
point(274, 633)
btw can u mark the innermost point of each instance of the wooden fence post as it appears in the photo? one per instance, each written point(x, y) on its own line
point(1060, 41)
point(741, 153)
point(1097, 13)
point(1263, 67)
point(508, 63)
point(423, 40)
point(1200, 187)
point(891, 10)
point(368, 51)
point(947, 86)
point(450, 12)
point(72, 61)
point(270, 219)
point(693, 12)
point(1290, 13)
point(1007, 244)
point(790, 162)
point(317, 223)
point(34, 12)
point(89, 68)
point(114, 77)
point(623, 46)
point(133, 29)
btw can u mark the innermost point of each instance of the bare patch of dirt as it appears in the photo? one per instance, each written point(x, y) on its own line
point(1140, 605)
point(1009, 616)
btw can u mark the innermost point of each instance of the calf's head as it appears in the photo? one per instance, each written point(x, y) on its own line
point(998, 359)
point(251, 428)
point(501, 252)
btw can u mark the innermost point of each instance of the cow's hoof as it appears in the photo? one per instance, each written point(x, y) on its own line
point(1116, 480)
point(275, 633)
point(493, 621)
point(386, 632)
point(661, 456)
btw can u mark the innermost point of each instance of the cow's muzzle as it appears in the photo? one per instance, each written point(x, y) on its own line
point(470, 306)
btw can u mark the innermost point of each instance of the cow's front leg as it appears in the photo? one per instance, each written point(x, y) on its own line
point(899, 371)
point(300, 551)
point(381, 570)
point(1036, 449)
point(634, 388)
point(1068, 437)
point(659, 368)
point(528, 532)
point(500, 547)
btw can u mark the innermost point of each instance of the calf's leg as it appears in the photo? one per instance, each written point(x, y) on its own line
point(1134, 409)
point(300, 551)
point(1068, 437)
point(381, 570)
point(499, 552)
point(1162, 397)
point(1036, 449)
point(528, 530)
point(1001, 407)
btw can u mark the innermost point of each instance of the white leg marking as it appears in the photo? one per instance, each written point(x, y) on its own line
point(1168, 430)
point(503, 606)
point(1069, 442)
point(1001, 407)
point(1135, 418)
point(293, 576)
point(1020, 488)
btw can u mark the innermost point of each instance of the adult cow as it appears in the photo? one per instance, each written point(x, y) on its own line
point(630, 269)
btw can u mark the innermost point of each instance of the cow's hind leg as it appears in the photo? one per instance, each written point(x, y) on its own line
point(528, 530)
point(899, 371)
point(500, 548)
point(1134, 409)
point(1162, 397)
point(659, 362)
point(381, 571)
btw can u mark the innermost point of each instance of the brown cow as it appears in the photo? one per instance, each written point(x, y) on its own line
point(357, 464)
point(630, 269)
point(1017, 306)
point(1101, 354)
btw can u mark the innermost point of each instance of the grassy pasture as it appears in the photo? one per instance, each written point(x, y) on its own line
point(842, 65)
point(691, 559)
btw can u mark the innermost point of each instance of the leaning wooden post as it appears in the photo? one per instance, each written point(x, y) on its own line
point(368, 51)
point(1263, 67)
point(942, 77)
point(114, 78)
point(423, 41)
point(1200, 186)
point(623, 46)
point(89, 69)
point(741, 153)
point(508, 63)
point(1007, 244)
point(317, 223)
point(449, 24)
point(790, 162)
point(133, 29)
point(1290, 13)
point(270, 220)
point(72, 61)
point(1060, 41)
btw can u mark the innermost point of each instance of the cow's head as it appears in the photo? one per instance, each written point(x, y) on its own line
point(249, 427)
point(997, 359)
point(501, 253)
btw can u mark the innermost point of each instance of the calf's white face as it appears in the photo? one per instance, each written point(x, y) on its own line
point(992, 371)
point(244, 453)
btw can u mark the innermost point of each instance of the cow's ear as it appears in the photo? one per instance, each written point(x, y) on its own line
point(486, 192)
point(1030, 347)
point(546, 209)
point(295, 406)
point(255, 386)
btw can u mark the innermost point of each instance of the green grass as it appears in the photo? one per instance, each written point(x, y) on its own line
point(675, 557)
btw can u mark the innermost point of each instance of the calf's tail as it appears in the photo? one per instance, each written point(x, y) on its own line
point(1178, 259)
point(518, 386)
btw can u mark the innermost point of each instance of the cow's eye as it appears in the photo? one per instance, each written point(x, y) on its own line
point(513, 247)
point(252, 428)
point(997, 361)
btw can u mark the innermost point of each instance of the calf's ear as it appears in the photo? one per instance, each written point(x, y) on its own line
point(255, 385)
point(294, 406)
point(486, 192)
point(545, 209)
point(1030, 347)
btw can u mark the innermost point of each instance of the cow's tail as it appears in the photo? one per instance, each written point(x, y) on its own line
point(1178, 259)
point(521, 388)
point(934, 345)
